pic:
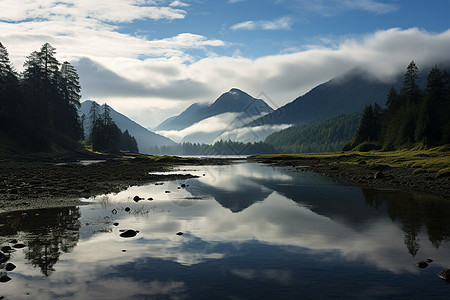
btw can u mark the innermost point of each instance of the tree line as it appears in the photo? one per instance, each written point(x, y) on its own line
point(218, 148)
point(412, 116)
point(39, 107)
point(104, 135)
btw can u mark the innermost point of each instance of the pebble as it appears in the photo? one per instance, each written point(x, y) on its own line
point(10, 267)
point(128, 233)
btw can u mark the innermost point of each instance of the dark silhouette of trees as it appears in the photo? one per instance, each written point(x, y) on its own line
point(105, 135)
point(412, 116)
point(38, 108)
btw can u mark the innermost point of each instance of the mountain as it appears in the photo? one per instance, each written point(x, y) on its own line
point(145, 138)
point(234, 101)
point(344, 94)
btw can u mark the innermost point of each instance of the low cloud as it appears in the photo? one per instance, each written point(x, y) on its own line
point(282, 77)
point(227, 126)
point(163, 75)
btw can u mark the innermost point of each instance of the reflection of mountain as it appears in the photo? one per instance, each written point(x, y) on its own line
point(235, 200)
point(47, 234)
point(346, 205)
point(343, 204)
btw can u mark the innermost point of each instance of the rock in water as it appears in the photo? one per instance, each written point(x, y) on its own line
point(4, 277)
point(422, 264)
point(7, 249)
point(128, 233)
point(444, 275)
point(10, 267)
point(180, 233)
point(19, 246)
point(3, 258)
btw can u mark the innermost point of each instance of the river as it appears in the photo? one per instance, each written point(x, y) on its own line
point(239, 231)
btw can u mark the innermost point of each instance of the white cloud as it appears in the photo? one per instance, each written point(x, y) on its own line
point(103, 10)
point(178, 4)
point(159, 75)
point(335, 7)
point(282, 77)
point(283, 23)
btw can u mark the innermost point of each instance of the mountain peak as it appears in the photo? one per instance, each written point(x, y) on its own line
point(235, 90)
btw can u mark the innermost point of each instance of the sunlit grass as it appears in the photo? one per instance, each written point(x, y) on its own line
point(434, 160)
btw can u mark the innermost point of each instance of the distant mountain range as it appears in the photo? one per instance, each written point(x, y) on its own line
point(234, 101)
point(344, 94)
point(202, 123)
point(145, 138)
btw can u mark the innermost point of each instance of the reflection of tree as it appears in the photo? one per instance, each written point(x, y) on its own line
point(414, 211)
point(47, 233)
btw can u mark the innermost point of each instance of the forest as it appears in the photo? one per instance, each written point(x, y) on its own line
point(412, 117)
point(325, 136)
point(38, 108)
point(218, 148)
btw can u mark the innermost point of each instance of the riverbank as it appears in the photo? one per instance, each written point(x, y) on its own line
point(424, 171)
point(33, 183)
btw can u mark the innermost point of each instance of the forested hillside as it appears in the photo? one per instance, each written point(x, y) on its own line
point(413, 116)
point(38, 108)
point(325, 136)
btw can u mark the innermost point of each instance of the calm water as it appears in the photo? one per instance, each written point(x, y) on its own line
point(250, 232)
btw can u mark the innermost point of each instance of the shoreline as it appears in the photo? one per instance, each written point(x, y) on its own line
point(358, 170)
point(28, 185)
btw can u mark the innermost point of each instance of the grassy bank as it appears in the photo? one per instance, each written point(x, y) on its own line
point(434, 160)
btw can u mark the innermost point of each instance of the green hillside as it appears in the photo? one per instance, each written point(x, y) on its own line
point(325, 136)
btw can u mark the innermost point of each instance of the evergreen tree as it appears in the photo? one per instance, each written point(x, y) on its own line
point(69, 102)
point(410, 89)
point(429, 129)
point(9, 89)
point(128, 143)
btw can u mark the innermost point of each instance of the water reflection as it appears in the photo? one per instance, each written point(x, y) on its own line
point(250, 231)
point(47, 233)
point(414, 212)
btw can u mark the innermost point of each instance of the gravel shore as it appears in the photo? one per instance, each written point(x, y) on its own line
point(31, 185)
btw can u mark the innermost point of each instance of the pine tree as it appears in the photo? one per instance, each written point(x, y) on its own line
point(428, 129)
point(410, 89)
point(9, 89)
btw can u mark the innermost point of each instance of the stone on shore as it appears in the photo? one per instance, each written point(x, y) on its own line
point(128, 233)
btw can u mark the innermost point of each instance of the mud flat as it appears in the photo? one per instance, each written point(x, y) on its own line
point(30, 184)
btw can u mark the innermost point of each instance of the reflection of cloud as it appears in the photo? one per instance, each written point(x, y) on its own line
point(275, 221)
point(281, 276)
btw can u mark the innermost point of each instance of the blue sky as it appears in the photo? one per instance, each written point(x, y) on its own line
point(151, 59)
